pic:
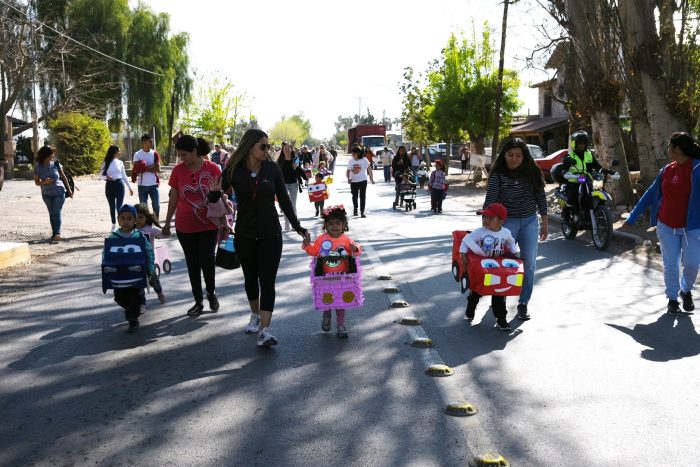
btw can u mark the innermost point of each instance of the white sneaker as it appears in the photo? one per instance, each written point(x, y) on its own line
point(266, 339)
point(253, 325)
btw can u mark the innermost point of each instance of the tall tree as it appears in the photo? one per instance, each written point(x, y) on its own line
point(417, 125)
point(211, 112)
point(463, 86)
point(290, 130)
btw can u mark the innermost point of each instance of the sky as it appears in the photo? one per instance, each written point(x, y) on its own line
point(319, 57)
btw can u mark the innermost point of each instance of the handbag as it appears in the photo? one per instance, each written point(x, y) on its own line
point(226, 257)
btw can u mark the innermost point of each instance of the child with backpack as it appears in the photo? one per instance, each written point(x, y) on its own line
point(149, 226)
point(130, 298)
point(333, 243)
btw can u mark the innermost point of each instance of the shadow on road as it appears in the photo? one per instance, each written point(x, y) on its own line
point(667, 338)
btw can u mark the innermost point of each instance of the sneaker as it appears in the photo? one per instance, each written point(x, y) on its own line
point(363, 215)
point(471, 309)
point(522, 312)
point(266, 339)
point(502, 325)
point(326, 322)
point(196, 310)
point(57, 238)
point(341, 332)
point(673, 308)
point(213, 303)
point(687, 298)
point(142, 309)
point(253, 325)
point(161, 297)
point(133, 326)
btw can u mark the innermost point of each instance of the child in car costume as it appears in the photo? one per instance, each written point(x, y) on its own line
point(127, 260)
point(484, 250)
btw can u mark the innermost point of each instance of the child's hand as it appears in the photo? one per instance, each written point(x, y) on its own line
point(306, 242)
point(354, 248)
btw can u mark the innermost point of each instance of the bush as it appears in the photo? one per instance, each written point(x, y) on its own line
point(81, 142)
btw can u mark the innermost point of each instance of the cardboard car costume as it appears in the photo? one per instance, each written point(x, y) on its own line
point(124, 263)
point(318, 192)
point(501, 276)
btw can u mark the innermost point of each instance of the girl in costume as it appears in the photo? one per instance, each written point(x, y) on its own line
point(333, 243)
point(147, 224)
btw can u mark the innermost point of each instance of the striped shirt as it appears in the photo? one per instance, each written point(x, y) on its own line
point(516, 194)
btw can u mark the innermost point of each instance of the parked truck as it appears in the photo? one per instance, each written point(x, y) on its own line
point(370, 135)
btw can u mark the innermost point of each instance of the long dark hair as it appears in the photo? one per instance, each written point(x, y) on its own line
point(249, 139)
point(685, 143)
point(359, 151)
point(150, 218)
point(280, 158)
point(528, 170)
point(44, 153)
point(109, 157)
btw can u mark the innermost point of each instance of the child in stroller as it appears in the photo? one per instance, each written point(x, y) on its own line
point(407, 192)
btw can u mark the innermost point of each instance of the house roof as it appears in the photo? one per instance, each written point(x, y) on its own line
point(538, 126)
point(558, 55)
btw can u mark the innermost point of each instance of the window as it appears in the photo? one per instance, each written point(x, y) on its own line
point(547, 105)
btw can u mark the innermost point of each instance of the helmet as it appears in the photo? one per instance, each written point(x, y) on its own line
point(580, 136)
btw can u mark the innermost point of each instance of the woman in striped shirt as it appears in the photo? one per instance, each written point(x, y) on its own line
point(517, 183)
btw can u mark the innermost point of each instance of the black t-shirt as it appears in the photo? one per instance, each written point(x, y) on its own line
point(288, 172)
point(257, 216)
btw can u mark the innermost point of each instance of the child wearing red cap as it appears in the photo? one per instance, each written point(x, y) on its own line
point(491, 240)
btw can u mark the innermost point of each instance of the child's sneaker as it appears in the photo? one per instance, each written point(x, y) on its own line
point(161, 297)
point(266, 339)
point(342, 332)
point(502, 324)
point(133, 326)
point(326, 322)
point(142, 309)
point(253, 325)
point(471, 309)
point(687, 298)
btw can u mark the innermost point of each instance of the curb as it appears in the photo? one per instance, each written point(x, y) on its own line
point(616, 233)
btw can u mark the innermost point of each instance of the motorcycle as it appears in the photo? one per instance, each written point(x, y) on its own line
point(592, 212)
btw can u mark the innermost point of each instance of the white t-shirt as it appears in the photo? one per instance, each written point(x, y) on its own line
point(358, 170)
point(146, 178)
point(115, 171)
point(484, 242)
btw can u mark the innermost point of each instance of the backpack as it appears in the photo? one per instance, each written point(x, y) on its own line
point(69, 177)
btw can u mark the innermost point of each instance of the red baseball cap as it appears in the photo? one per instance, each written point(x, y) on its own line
point(494, 209)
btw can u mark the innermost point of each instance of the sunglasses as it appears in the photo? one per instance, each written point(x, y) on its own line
point(265, 147)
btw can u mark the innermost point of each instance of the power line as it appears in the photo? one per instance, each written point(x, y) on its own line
point(80, 43)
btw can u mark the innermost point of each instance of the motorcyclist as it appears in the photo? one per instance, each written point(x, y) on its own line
point(579, 161)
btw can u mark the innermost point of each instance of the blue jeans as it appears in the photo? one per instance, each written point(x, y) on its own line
point(387, 173)
point(54, 204)
point(526, 232)
point(152, 191)
point(114, 191)
point(679, 246)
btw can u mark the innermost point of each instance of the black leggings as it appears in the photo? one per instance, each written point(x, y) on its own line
point(361, 189)
point(260, 259)
point(200, 254)
point(114, 191)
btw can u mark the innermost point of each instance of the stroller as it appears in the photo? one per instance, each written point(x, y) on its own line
point(407, 193)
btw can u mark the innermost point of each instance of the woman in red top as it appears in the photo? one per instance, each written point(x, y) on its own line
point(190, 184)
point(674, 201)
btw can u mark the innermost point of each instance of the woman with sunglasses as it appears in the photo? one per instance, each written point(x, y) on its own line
point(190, 183)
point(256, 181)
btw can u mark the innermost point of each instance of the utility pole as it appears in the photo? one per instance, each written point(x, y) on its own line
point(499, 91)
point(31, 7)
point(359, 109)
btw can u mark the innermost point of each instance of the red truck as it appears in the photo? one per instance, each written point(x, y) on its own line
point(370, 135)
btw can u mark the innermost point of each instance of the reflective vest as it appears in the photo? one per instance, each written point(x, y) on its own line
point(579, 166)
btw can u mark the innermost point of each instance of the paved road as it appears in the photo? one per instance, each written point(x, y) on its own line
point(599, 376)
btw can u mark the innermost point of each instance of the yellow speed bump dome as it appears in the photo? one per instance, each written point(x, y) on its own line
point(422, 342)
point(489, 460)
point(460, 409)
point(409, 321)
point(439, 370)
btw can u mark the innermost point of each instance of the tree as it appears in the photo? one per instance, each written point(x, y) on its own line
point(212, 112)
point(462, 87)
point(81, 141)
point(417, 125)
point(305, 124)
point(289, 130)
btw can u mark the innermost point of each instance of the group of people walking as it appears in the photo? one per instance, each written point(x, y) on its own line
point(514, 205)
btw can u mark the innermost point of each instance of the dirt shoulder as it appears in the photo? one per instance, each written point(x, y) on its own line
point(86, 223)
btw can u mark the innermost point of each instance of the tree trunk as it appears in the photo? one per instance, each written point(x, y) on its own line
point(607, 137)
point(499, 90)
point(642, 41)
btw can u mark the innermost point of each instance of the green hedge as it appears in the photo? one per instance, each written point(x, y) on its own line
point(81, 142)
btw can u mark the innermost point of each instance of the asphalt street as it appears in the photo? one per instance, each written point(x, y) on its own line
point(600, 375)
